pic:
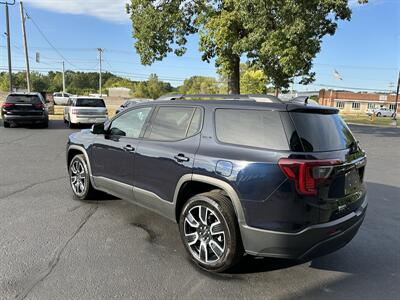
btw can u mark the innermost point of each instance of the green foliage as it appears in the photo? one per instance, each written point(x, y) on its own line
point(280, 37)
point(81, 83)
point(252, 81)
point(200, 85)
point(153, 88)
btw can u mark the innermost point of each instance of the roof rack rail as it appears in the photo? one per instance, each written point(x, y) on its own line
point(257, 98)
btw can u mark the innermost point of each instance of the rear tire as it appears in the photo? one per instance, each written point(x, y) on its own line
point(6, 124)
point(378, 114)
point(79, 178)
point(210, 232)
point(70, 124)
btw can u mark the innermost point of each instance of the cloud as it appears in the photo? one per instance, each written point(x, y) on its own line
point(110, 10)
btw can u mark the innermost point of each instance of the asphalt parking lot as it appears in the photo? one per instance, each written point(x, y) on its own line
point(53, 247)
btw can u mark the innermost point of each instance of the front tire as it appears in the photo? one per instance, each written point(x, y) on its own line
point(6, 124)
point(210, 233)
point(70, 124)
point(378, 114)
point(79, 179)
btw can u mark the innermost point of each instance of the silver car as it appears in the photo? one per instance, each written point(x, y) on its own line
point(85, 110)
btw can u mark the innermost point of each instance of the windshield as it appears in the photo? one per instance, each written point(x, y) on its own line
point(322, 132)
point(90, 103)
point(28, 99)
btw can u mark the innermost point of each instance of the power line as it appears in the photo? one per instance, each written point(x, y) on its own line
point(47, 40)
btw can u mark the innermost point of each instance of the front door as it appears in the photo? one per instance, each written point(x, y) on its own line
point(113, 154)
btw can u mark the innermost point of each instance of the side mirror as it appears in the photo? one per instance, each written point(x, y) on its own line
point(98, 129)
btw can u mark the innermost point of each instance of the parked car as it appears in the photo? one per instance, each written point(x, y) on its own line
point(239, 176)
point(130, 103)
point(380, 112)
point(25, 108)
point(85, 110)
point(61, 98)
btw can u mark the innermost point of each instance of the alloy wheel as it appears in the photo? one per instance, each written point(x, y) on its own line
point(78, 177)
point(204, 234)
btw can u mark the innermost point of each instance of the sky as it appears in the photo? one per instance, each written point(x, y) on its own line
point(365, 51)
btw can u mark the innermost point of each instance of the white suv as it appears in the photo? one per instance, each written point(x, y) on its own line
point(85, 110)
point(380, 112)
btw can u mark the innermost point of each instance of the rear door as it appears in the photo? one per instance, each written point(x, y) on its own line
point(325, 136)
point(167, 151)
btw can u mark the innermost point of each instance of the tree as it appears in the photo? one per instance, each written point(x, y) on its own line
point(153, 88)
point(281, 37)
point(252, 81)
point(199, 85)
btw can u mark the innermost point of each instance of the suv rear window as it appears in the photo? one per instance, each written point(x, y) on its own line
point(90, 103)
point(322, 132)
point(28, 99)
point(261, 129)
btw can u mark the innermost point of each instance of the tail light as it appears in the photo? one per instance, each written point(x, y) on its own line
point(74, 111)
point(7, 105)
point(39, 105)
point(307, 174)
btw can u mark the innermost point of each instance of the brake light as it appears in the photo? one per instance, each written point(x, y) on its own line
point(74, 111)
point(307, 174)
point(5, 105)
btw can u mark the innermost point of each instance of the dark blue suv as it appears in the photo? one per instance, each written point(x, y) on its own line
point(242, 174)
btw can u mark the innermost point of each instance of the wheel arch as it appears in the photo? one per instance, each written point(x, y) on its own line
point(74, 150)
point(190, 185)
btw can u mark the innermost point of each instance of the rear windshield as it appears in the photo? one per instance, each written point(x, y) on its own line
point(322, 132)
point(28, 99)
point(90, 103)
point(260, 129)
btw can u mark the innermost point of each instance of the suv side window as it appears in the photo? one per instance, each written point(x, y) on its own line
point(130, 124)
point(173, 123)
point(253, 128)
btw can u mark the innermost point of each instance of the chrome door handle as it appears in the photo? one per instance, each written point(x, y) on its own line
point(181, 158)
point(129, 148)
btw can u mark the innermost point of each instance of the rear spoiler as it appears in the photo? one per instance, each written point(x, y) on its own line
point(310, 108)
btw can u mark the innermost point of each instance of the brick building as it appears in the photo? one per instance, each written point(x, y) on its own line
point(356, 103)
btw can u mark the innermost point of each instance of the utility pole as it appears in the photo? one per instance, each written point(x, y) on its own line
point(397, 98)
point(10, 77)
point(63, 76)
point(28, 73)
point(100, 70)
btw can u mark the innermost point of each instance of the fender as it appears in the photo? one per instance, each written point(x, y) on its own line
point(218, 183)
point(84, 152)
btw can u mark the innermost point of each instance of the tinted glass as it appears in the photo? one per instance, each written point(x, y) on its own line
point(195, 125)
point(25, 99)
point(130, 124)
point(170, 123)
point(319, 132)
point(90, 103)
point(261, 129)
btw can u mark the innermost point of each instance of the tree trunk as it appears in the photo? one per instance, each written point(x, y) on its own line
point(234, 77)
point(277, 90)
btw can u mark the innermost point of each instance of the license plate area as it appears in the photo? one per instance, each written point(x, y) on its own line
point(352, 182)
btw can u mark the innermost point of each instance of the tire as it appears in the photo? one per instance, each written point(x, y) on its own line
point(79, 170)
point(378, 114)
point(45, 124)
point(223, 247)
point(70, 124)
point(6, 124)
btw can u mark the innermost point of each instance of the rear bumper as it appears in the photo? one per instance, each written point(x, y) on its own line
point(25, 119)
point(88, 120)
point(311, 242)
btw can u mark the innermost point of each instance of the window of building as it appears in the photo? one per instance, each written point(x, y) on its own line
point(392, 106)
point(340, 104)
point(355, 105)
point(371, 105)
